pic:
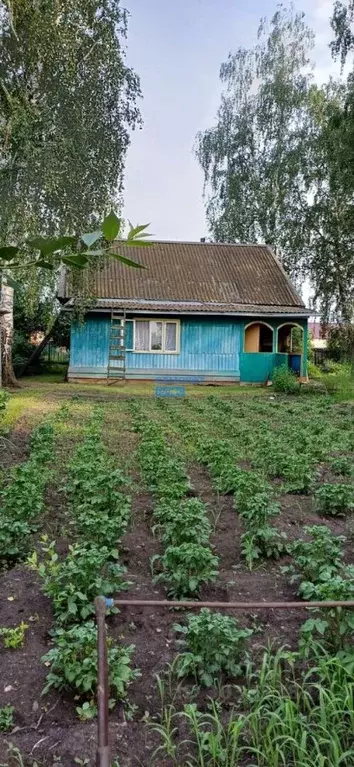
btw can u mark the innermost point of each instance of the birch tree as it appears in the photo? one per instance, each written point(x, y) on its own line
point(68, 102)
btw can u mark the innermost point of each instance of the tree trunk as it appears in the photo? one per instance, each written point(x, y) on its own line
point(7, 332)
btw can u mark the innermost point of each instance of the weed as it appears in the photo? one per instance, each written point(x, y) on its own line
point(284, 380)
point(6, 718)
point(14, 638)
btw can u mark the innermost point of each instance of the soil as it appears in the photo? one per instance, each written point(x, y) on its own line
point(46, 729)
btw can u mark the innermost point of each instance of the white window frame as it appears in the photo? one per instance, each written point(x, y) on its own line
point(164, 321)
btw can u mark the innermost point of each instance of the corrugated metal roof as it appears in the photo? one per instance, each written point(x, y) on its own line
point(216, 276)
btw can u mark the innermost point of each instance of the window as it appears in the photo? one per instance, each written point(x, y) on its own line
point(156, 336)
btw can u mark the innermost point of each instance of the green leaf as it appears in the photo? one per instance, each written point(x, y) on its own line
point(51, 244)
point(8, 252)
point(138, 231)
point(77, 260)
point(100, 252)
point(127, 261)
point(89, 238)
point(111, 226)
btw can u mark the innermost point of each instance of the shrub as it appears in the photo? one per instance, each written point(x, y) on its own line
point(214, 644)
point(73, 663)
point(72, 584)
point(284, 380)
point(185, 568)
point(334, 499)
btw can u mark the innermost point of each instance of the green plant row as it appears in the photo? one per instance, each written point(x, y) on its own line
point(253, 496)
point(317, 562)
point(321, 574)
point(22, 499)
point(98, 514)
point(291, 450)
point(180, 522)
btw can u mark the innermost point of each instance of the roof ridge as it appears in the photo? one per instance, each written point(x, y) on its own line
point(197, 242)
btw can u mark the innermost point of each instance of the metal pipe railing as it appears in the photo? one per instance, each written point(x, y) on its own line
point(102, 603)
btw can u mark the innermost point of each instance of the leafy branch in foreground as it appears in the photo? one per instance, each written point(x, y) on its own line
point(73, 251)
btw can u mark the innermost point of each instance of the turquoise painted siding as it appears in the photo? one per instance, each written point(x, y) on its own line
point(257, 368)
point(89, 346)
point(209, 348)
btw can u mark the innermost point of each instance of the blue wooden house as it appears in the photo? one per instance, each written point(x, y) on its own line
point(199, 312)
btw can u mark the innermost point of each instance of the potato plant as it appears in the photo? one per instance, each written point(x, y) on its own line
point(96, 491)
point(185, 568)
point(74, 582)
point(212, 644)
point(73, 663)
point(334, 499)
point(317, 559)
point(22, 499)
point(99, 511)
point(181, 523)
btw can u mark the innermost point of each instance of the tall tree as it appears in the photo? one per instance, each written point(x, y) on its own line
point(279, 164)
point(251, 157)
point(68, 101)
point(342, 23)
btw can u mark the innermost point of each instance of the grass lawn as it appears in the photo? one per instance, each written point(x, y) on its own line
point(231, 494)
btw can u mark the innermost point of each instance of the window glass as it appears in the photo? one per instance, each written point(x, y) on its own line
point(156, 336)
point(142, 336)
point(171, 337)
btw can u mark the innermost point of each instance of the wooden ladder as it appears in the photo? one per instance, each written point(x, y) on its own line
point(116, 347)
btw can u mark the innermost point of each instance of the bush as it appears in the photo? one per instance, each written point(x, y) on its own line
point(214, 644)
point(284, 380)
point(73, 663)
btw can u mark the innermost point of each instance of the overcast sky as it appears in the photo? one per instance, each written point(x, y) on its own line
point(177, 46)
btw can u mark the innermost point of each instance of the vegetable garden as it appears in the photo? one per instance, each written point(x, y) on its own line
point(219, 498)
